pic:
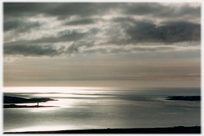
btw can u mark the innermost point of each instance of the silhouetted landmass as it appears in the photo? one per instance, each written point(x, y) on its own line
point(173, 130)
point(184, 98)
point(26, 106)
point(11, 99)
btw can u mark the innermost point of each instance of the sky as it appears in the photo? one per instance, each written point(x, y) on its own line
point(120, 44)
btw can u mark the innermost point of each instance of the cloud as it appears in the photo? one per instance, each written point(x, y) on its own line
point(32, 50)
point(133, 32)
point(169, 32)
point(124, 24)
point(141, 49)
point(62, 36)
point(20, 26)
point(82, 42)
point(38, 50)
point(123, 20)
point(71, 42)
point(75, 47)
point(84, 21)
point(60, 10)
point(158, 10)
point(143, 8)
point(22, 9)
point(98, 50)
point(66, 36)
point(67, 10)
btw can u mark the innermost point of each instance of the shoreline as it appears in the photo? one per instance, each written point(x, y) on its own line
point(167, 130)
point(27, 106)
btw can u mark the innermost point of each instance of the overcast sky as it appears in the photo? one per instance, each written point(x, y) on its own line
point(102, 44)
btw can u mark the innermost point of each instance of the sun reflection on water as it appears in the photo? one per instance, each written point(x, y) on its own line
point(88, 108)
point(44, 128)
point(54, 89)
point(43, 109)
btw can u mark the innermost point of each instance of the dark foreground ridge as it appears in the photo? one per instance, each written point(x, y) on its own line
point(173, 130)
point(184, 98)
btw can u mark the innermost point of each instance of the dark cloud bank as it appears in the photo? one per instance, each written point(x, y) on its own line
point(170, 32)
point(62, 10)
point(135, 31)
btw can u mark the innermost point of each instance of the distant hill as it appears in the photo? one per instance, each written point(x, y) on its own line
point(11, 99)
point(184, 98)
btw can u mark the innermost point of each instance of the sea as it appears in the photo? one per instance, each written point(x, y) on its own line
point(101, 108)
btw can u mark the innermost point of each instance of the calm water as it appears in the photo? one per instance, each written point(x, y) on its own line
point(90, 108)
